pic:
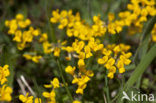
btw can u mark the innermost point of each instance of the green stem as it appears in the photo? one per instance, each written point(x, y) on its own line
point(64, 82)
point(107, 89)
point(50, 26)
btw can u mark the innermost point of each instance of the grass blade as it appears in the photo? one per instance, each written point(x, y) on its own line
point(142, 66)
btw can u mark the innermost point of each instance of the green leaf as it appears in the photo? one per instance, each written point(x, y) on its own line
point(141, 67)
point(146, 33)
point(145, 62)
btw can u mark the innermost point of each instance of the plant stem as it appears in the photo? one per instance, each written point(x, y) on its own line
point(50, 26)
point(107, 89)
point(64, 82)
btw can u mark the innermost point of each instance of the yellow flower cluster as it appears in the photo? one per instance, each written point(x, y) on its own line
point(4, 73)
point(154, 33)
point(54, 48)
point(87, 43)
point(138, 12)
point(81, 78)
point(115, 56)
point(136, 15)
point(47, 46)
point(16, 27)
point(5, 91)
point(76, 27)
point(51, 95)
point(29, 99)
point(24, 34)
point(82, 51)
point(114, 26)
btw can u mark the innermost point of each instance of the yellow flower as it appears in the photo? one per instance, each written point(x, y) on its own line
point(57, 52)
point(121, 70)
point(5, 93)
point(56, 16)
point(110, 63)
point(68, 58)
point(154, 37)
point(19, 17)
point(112, 69)
point(54, 83)
point(124, 48)
point(78, 46)
point(69, 32)
point(89, 73)
point(27, 22)
point(106, 52)
point(21, 24)
point(12, 26)
point(21, 46)
point(47, 47)
point(27, 56)
point(38, 100)
point(125, 60)
point(50, 96)
point(153, 33)
point(110, 75)
point(76, 101)
point(81, 63)
point(111, 17)
point(63, 22)
point(81, 55)
point(81, 82)
point(18, 36)
point(70, 70)
point(81, 88)
point(36, 32)
point(7, 23)
point(4, 72)
point(120, 64)
point(103, 60)
point(36, 59)
point(26, 98)
point(27, 36)
point(33, 58)
point(68, 49)
point(116, 49)
point(87, 51)
point(43, 37)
